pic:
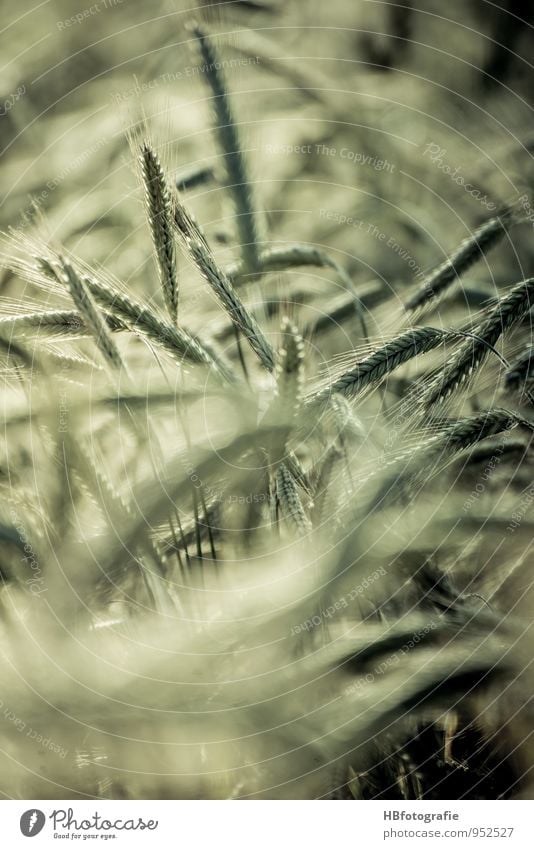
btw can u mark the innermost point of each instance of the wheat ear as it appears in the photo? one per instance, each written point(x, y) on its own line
point(228, 137)
point(325, 487)
point(289, 370)
point(197, 246)
point(122, 310)
point(507, 312)
point(468, 252)
point(90, 313)
point(383, 361)
point(458, 435)
point(290, 502)
point(286, 403)
point(53, 323)
point(520, 374)
point(177, 341)
point(159, 210)
point(115, 507)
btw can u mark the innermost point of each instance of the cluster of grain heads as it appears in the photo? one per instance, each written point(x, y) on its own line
point(159, 203)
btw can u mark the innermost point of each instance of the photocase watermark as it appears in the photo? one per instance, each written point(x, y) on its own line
point(88, 12)
point(23, 728)
point(319, 149)
point(519, 514)
point(371, 229)
point(186, 73)
point(390, 661)
point(437, 155)
point(340, 604)
point(10, 101)
point(36, 582)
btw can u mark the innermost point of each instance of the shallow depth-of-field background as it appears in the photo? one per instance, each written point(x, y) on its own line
point(217, 581)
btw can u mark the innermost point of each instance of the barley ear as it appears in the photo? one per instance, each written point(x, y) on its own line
point(373, 368)
point(159, 210)
point(196, 245)
point(290, 502)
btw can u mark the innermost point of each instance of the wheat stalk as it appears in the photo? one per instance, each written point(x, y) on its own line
point(193, 176)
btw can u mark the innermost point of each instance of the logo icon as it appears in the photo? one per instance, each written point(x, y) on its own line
point(32, 822)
